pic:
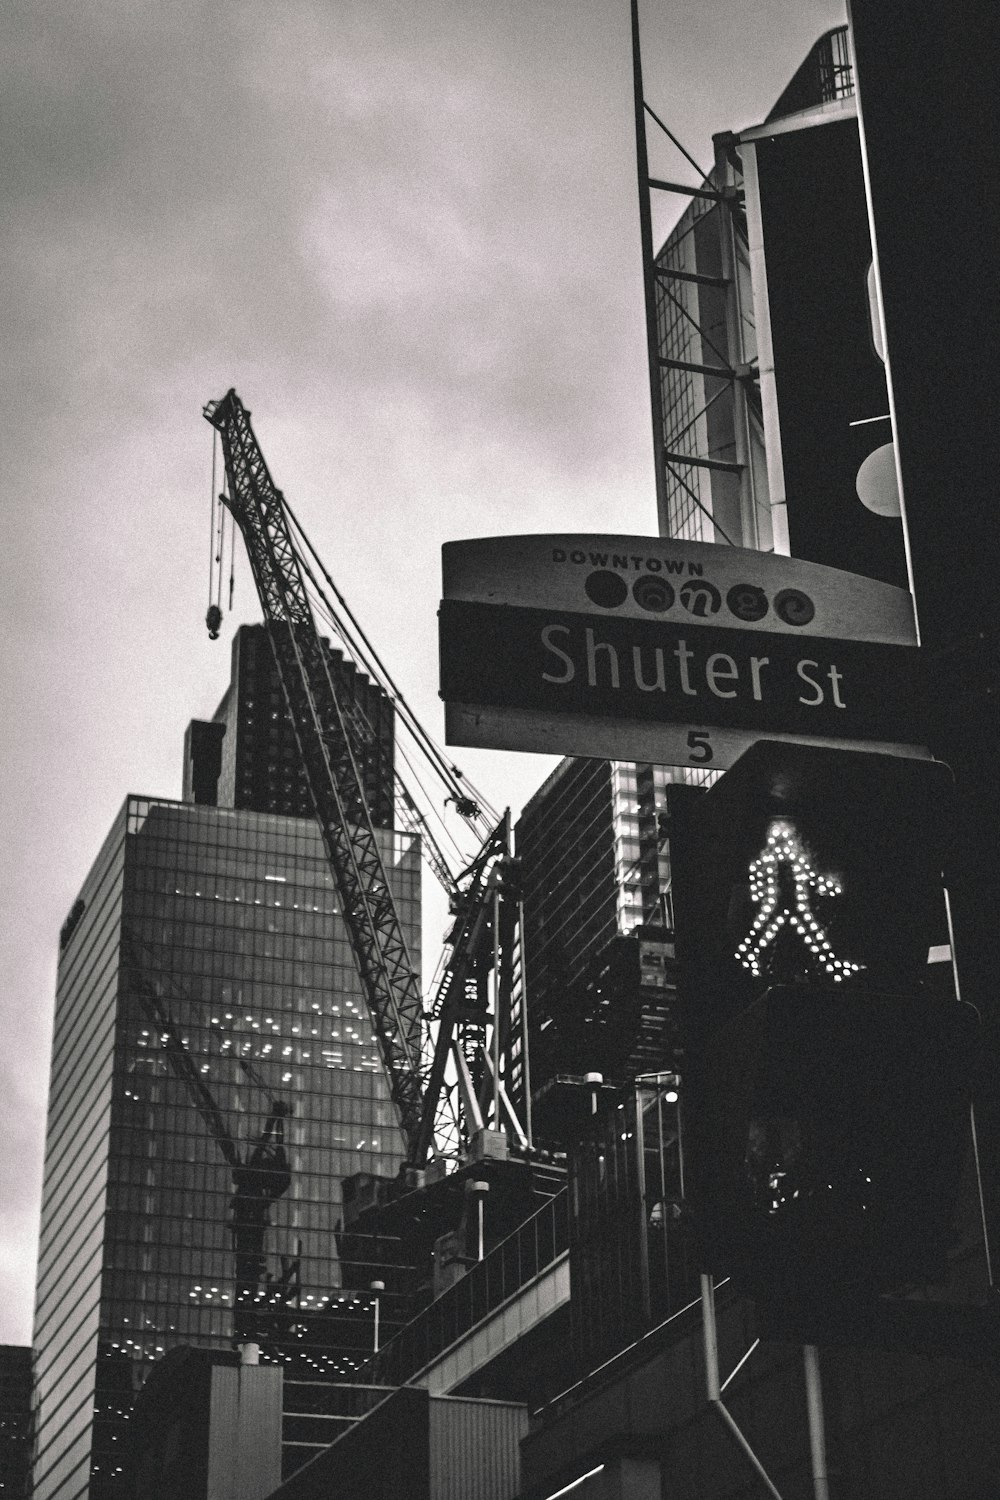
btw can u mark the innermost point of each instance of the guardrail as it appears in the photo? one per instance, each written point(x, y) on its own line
point(484, 1288)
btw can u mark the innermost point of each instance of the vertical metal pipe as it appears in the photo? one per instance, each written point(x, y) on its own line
point(982, 1197)
point(711, 1338)
point(817, 1434)
point(666, 1197)
point(496, 1008)
point(736, 350)
point(972, 1109)
point(711, 1345)
point(525, 1059)
point(377, 1288)
point(643, 1215)
point(648, 275)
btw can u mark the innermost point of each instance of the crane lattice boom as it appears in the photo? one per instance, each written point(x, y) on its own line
point(334, 779)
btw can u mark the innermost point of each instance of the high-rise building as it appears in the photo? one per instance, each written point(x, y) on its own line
point(246, 756)
point(214, 1078)
point(16, 1421)
point(595, 884)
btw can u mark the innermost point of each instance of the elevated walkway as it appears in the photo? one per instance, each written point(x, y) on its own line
point(514, 1289)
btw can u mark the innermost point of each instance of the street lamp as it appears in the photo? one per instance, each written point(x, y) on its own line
point(377, 1286)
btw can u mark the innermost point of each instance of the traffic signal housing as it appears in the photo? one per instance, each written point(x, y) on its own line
point(827, 1084)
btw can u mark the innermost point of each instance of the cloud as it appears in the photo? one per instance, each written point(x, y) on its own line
point(407, 233)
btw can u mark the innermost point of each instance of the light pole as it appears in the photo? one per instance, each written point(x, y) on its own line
point(377, 1286)
point(478, 1191)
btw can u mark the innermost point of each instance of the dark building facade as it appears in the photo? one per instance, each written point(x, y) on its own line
point(246, 756)
point(598, 953)
point(204, 979)
point(16, 1421)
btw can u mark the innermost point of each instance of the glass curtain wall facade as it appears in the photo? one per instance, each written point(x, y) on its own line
point(594, 867)
point(214, 1077)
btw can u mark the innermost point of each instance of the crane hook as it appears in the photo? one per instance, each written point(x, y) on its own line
point(213, 620)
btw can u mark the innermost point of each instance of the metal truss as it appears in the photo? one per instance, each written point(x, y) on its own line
point(329, 761)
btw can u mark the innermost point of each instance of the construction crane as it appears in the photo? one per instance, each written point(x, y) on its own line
point(365, 738)
point(331, 742)
point(481, 955)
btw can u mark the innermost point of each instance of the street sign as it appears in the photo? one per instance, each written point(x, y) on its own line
point(679, 653)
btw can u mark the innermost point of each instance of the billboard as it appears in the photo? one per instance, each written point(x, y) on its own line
point(678, 653)
point(827, 396)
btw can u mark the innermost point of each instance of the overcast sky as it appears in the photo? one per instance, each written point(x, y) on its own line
point(407, 232)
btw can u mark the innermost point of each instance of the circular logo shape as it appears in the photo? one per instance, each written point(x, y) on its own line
point(606, 589)
point(794, 607)
point(700, 598)
point(747, 602)
point(652, 593)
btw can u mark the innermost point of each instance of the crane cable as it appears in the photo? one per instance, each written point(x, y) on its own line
point(370, 663)
point(232, 560)
point(324, 611)
point(450, 775)
point(454, 781)
point(359, 714)
point(327, 617)
point(213, 615)
point(211, 533)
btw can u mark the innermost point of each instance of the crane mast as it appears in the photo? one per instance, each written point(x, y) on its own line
point(332, 773)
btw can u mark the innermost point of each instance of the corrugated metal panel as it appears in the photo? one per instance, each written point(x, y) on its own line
point(475, 1448)
point(245, 1436)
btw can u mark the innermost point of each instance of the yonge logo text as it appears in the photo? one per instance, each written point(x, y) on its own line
point(661, 588)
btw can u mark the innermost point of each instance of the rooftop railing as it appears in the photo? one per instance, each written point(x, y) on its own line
point(486, 1286)
point(826, 74)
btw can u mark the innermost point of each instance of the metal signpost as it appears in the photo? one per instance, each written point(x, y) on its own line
point(675, 653)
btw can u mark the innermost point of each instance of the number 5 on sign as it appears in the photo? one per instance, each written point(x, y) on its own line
point(699, 745)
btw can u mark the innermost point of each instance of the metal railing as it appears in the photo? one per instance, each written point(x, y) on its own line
point(826, 74)
point(485, 1287)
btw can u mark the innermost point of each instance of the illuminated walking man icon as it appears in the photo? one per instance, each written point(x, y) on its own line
point(782, 887)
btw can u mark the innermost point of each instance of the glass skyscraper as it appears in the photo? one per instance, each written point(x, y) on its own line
point(214, 1078)
point(595, 871)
